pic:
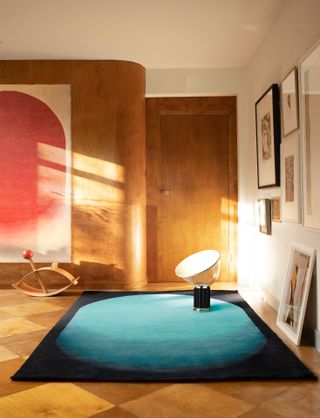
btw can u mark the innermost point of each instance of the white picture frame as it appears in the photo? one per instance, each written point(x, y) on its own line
point(310, 131)
point(290, 179)
point(295, 293)
point(276, 209)
point(289, 103)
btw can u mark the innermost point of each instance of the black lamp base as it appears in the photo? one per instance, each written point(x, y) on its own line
point(201, 298)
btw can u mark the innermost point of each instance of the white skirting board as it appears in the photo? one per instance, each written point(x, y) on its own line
point(271, 300)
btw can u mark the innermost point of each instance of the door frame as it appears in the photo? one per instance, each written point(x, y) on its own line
point(163, 106)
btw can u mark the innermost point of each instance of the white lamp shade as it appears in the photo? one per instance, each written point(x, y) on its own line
point(202, 268)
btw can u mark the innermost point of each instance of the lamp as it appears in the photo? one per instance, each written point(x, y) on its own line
point(201, 270)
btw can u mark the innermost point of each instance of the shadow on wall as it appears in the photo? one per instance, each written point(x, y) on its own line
point(98, 275)
point(310, 322)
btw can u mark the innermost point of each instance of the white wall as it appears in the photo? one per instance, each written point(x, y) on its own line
point(218, 82)
point(295, 31)
point(262, 259)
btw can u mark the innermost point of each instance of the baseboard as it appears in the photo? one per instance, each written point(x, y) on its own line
point(271, 300)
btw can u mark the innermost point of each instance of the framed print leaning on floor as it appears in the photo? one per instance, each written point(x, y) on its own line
point(267, 112)
point(296, 290)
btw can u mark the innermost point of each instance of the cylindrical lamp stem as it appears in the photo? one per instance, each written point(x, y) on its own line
point(201, 298)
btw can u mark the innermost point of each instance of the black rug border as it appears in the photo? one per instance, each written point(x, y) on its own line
point(233, 297)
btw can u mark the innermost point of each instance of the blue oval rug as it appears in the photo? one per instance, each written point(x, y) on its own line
point(156, 336)
point(160, 332)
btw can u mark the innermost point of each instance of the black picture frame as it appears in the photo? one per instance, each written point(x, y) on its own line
point(268, 137)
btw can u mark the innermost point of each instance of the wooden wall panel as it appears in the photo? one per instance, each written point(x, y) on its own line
point(108, 174)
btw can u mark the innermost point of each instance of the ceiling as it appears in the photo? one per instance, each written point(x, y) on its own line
point(154, 33)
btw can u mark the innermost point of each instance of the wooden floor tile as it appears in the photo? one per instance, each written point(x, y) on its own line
point(49, 319)
point(261, 413)
point(6, 354)
point(224, 286)
point(117, 392)
point(14, 326)
point(64, 302)
point(116, 412)
point(254, 392)
point(7, 386)
point(263, 399)
point(265, 310)
point(310, 357)
point(303, 399)
point(30, 308)
point(182, 285)
point(57, 400)
point(24, 344)
point(188, 401)
point(8, 298)
point(155, 287)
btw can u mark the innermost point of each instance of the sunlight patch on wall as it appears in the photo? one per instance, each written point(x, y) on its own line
point(105, 169)
point(246, 228)
point(95, 193)
point(99, 213)
point(96, 182)
point(136, 234)
point(260, 255)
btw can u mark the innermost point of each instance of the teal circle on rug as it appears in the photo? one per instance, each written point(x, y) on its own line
point(160, 332)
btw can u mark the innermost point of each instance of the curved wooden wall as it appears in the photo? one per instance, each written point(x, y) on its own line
point(108, 174)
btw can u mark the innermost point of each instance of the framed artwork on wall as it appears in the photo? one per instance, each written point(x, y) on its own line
point(276, 209)
point(35, 183)
point(310, 129)
point(296, 290)
point(289, 103)
point(264, 206)
point(267, 112)
point(290, 179)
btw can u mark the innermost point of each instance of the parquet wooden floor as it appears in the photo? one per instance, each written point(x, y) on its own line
point(24, 321)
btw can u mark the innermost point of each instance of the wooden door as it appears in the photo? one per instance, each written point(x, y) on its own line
point(191, 183)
